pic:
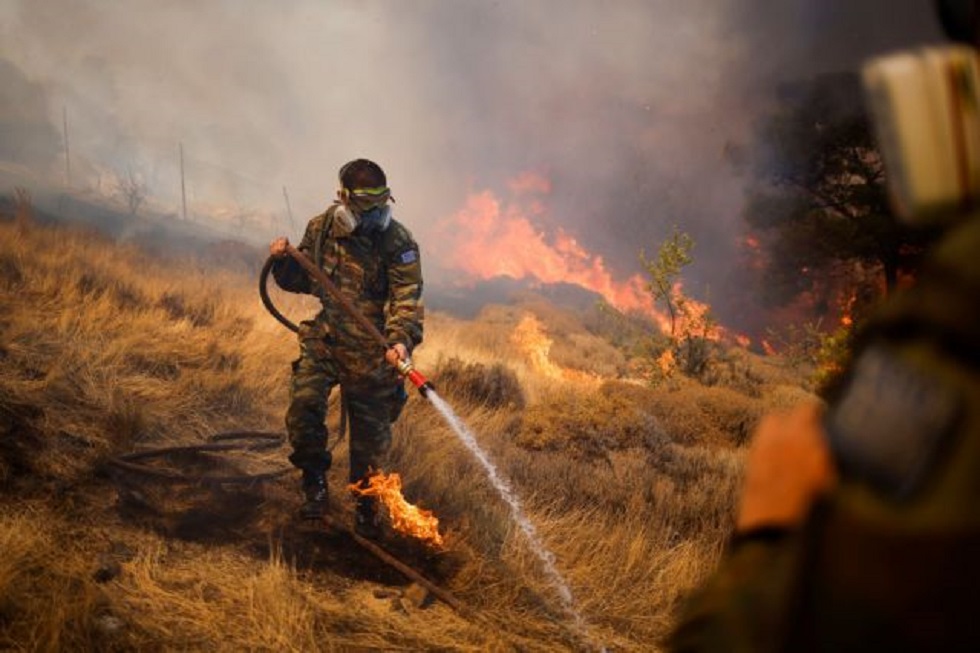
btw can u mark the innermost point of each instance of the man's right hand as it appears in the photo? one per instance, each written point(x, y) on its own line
point(278, 247)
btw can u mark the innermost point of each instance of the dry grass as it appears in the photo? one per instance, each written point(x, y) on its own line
point(105, 349)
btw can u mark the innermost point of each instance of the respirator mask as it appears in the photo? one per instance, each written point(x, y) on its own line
point(366, 208)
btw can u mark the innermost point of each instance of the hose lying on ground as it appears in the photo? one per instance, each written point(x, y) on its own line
point(226, 441)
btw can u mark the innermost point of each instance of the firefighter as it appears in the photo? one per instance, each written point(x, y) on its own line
point(374, 261)
point(857, 527)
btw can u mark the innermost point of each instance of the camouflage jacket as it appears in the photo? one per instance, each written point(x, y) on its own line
point(379, 273)
point(891, 559)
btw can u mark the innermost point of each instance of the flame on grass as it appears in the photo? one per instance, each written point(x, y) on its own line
point(406, 518)
point(532, 340)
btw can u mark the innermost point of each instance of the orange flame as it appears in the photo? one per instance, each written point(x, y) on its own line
point(695, 318)
point(488, 238)
point(755, 258)
point(847, 308)
point(667, 362)
point(529, 336)
point(768, 348)
point(405, 517)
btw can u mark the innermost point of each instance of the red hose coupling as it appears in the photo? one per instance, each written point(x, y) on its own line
point(406, 369)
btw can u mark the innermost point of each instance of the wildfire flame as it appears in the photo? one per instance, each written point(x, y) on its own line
point(530, 337)
point(490, 238)
point(532, 340)
point(667, 362)
point(406, 518)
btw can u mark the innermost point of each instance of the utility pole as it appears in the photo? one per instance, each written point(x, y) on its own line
point(183, 188)
point(64, 117)
point(289, 210)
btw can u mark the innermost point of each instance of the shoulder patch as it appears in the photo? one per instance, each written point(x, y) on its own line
point(891, 422)
point(409, 256)
point(395, 240)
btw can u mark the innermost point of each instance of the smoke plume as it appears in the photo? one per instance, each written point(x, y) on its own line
point(629, 111)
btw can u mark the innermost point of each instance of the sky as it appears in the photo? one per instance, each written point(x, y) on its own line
point(585, 129)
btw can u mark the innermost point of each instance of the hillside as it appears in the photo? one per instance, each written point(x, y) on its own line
point(108, 349)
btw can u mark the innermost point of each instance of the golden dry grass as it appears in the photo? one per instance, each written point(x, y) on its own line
point(106, 349)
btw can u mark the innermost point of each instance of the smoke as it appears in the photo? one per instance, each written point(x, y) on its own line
point(629, 109)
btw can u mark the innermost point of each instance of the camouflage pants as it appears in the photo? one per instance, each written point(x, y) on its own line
point(374, 397)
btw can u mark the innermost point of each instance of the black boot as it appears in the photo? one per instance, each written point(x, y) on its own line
point(366, 521)
point(315, 493)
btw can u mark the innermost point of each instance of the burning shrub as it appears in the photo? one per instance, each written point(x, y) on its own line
point(494, 386)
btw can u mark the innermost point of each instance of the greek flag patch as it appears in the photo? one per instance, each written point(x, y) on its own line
point(409, 256)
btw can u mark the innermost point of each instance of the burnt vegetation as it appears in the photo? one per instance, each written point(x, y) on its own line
point(108, 349)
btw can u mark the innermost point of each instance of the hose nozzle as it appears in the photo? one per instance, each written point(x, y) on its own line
point(407, 369)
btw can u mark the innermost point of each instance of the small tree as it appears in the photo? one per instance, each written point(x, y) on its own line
point(665, 271)
point(688, 345)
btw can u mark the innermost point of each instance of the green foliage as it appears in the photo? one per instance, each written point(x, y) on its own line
point(665, 270)
point(688, 345)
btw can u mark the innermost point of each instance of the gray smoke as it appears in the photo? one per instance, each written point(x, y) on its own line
point(630, 108)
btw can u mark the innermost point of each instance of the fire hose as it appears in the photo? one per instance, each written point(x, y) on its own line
point(404, 366)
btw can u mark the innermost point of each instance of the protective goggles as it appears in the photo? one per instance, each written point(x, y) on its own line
point(367, 198)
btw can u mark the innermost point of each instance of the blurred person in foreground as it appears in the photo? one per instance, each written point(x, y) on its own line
point(858, 527)
point(374, 262)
